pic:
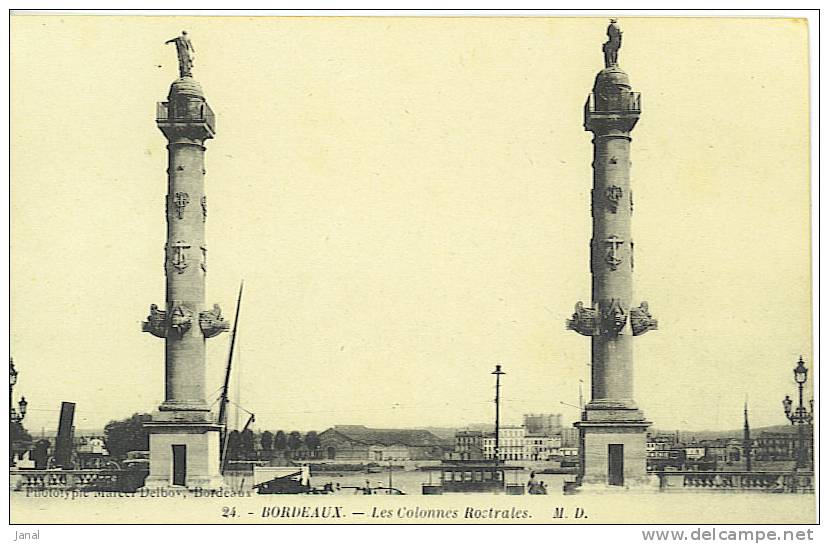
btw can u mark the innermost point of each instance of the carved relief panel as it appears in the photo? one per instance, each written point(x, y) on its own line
point(156, 323)
point(181, 319)
point(641, 320)
point(613, 317)
point(613, 256)
point(212, 323)
point(178, 256)
point(613, 195)
point(584, 320)
point(180, 201)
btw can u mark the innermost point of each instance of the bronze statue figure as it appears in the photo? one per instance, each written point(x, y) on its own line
point(612, 45)
point(184, 48)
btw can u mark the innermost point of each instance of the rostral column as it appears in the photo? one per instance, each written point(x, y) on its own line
point(612, 428)
point(184, 441)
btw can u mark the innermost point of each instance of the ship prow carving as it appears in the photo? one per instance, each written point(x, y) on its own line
point(212, 323)
point(641, 320)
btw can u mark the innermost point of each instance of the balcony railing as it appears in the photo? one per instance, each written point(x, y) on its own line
point(194, 113)
point(623, 102)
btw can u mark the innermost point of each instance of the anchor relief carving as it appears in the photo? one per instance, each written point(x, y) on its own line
point(212, 323)
point(179, 258)
point(641, 320)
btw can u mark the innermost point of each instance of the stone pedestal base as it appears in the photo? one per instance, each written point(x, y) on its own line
point(612, 449)
point(183, 454)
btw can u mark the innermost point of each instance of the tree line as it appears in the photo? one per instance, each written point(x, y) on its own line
point(130, 434)
point(242, 445)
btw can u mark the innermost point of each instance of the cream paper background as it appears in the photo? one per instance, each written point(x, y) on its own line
point(408, 201)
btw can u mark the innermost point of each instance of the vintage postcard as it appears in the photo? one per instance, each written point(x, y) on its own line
point(410, 270)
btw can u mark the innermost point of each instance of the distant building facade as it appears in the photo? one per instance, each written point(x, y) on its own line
point(515, 443)
point(569, 437)
point(569, 456)
point(780, 446)
point(542, 447)
point(723, 451)
point(542, 424)
point(469, 445)
point(663, 452)
point(357, 443)
point(510, 443)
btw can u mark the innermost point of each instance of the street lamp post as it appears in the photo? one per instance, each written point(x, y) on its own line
point(498, 373)
point(15, 415)
point(12, 382)
point(800, 416)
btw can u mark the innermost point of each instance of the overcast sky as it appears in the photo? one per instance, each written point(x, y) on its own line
point(408, 203)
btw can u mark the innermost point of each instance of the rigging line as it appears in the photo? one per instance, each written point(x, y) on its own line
point(217, 390)
point(243, 408)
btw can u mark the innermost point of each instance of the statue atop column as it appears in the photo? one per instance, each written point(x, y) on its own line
point(612, 45)
point(184, 48)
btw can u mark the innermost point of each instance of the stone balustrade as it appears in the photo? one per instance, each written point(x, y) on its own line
point(89, 479)
point(774, 482)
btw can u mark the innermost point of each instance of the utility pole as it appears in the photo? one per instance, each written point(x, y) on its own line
point(498, 375)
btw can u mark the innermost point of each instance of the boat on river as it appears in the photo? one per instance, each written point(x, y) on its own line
point(297, 481)
point(286, 481)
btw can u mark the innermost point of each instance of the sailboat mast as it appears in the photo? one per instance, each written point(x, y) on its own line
point(224, 398)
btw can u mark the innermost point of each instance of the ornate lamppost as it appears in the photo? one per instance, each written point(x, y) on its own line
point(800, 416)
point(15, 415)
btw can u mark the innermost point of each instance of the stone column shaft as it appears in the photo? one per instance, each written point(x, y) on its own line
point(187, 122)
point(185, 270)
point(611, 266)
point(611, 112)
